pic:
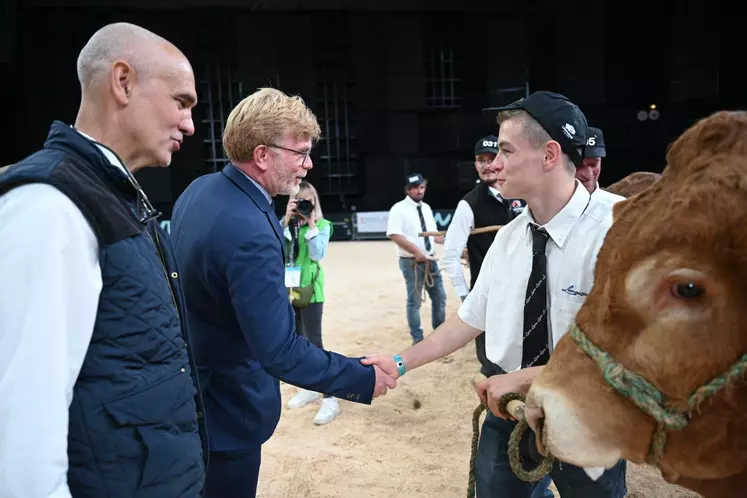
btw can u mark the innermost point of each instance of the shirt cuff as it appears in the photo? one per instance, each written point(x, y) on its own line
point(312, 232)
point(461, 290)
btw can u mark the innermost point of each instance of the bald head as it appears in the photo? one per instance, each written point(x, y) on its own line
point(126, 42)
point(138, 91)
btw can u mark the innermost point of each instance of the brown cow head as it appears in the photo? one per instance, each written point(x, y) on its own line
point(669, 302)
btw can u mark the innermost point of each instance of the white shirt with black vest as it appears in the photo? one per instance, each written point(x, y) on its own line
point(49, 262)
point(404, 220)
point(496, 303)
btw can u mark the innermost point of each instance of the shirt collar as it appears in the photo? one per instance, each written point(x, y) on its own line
point(562, 223)
point(112, 158)
point(259, 187)
point(495, 193)
point(409, 200)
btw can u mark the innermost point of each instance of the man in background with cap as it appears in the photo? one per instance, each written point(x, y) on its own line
point(407, 219)
point(531, 284)
point(482, 206)
point(588, 172)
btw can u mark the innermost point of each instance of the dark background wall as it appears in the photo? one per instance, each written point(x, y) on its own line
point(398, 86)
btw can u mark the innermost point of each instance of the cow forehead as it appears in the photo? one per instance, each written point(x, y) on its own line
point(681, 213)
point(692, 224)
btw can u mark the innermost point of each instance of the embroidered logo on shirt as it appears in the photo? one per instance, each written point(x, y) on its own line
point(517, 207)
point(573, 292)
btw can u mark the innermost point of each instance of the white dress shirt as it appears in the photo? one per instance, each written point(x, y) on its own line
point(51, 281)
point(605, 196)
point(404, 220)
point(496, 303)
point(461, 226)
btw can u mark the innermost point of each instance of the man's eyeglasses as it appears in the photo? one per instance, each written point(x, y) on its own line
point(483, 163)
point(304, 154)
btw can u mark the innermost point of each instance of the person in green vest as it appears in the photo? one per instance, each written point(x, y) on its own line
point(307, 236)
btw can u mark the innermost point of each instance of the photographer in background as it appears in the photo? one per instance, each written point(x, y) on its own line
point(308, 233)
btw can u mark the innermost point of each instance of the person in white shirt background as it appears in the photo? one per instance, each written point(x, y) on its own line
point(99, 393)
point(534, 279)
point(484, 195)
point(408, 218)
point(588, 172)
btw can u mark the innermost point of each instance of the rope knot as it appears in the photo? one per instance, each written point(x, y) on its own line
point(615, 372)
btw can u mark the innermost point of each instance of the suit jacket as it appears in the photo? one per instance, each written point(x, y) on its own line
point(229, 248)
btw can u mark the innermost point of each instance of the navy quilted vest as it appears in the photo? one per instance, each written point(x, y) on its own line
point(136, 427)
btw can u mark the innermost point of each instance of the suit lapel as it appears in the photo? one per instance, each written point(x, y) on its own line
point(241, 181)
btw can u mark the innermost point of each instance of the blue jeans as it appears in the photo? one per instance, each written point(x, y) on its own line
point(495, 479)
point(436, 292)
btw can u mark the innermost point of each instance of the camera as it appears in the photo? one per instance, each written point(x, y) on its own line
point(304, 207)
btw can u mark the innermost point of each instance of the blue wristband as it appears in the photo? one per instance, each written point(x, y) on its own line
point(400, 365)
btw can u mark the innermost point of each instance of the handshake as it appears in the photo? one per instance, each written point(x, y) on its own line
point(387, 372)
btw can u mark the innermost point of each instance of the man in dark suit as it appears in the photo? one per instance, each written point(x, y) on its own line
point(229, 247)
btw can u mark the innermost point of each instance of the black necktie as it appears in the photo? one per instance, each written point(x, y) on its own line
point(536, 350)
point(427, 240)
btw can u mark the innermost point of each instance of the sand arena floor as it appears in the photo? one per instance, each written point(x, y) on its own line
point(389, 448)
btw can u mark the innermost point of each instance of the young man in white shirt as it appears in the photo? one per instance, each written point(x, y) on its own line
point(482, 206)
point(407, 219)
point(533, 280)
point(588, 172)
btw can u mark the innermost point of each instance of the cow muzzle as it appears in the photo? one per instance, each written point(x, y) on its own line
point(560, 432)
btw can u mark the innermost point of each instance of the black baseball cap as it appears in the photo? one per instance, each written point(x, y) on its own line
point(414, 179)
point(487, 145)
point(594, 143)
point(561, 119)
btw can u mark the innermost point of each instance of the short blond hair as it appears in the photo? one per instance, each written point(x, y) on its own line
point(263, 118)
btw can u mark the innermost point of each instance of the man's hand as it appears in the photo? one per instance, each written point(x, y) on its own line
point(420, 257)
point(385, 363)
point(492, 389)
point(383, 381)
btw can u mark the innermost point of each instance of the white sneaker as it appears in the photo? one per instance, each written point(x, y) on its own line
point(327, 413)
point(303, 398)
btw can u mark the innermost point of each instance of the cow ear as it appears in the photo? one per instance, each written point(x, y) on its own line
point(724, 132)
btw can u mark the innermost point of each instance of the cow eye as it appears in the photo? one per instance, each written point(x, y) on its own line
point(688, 290)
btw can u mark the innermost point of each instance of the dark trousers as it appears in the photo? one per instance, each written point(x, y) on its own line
point(233, 474)
point(495, 479)
point(309, 324)
point(487, 367)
